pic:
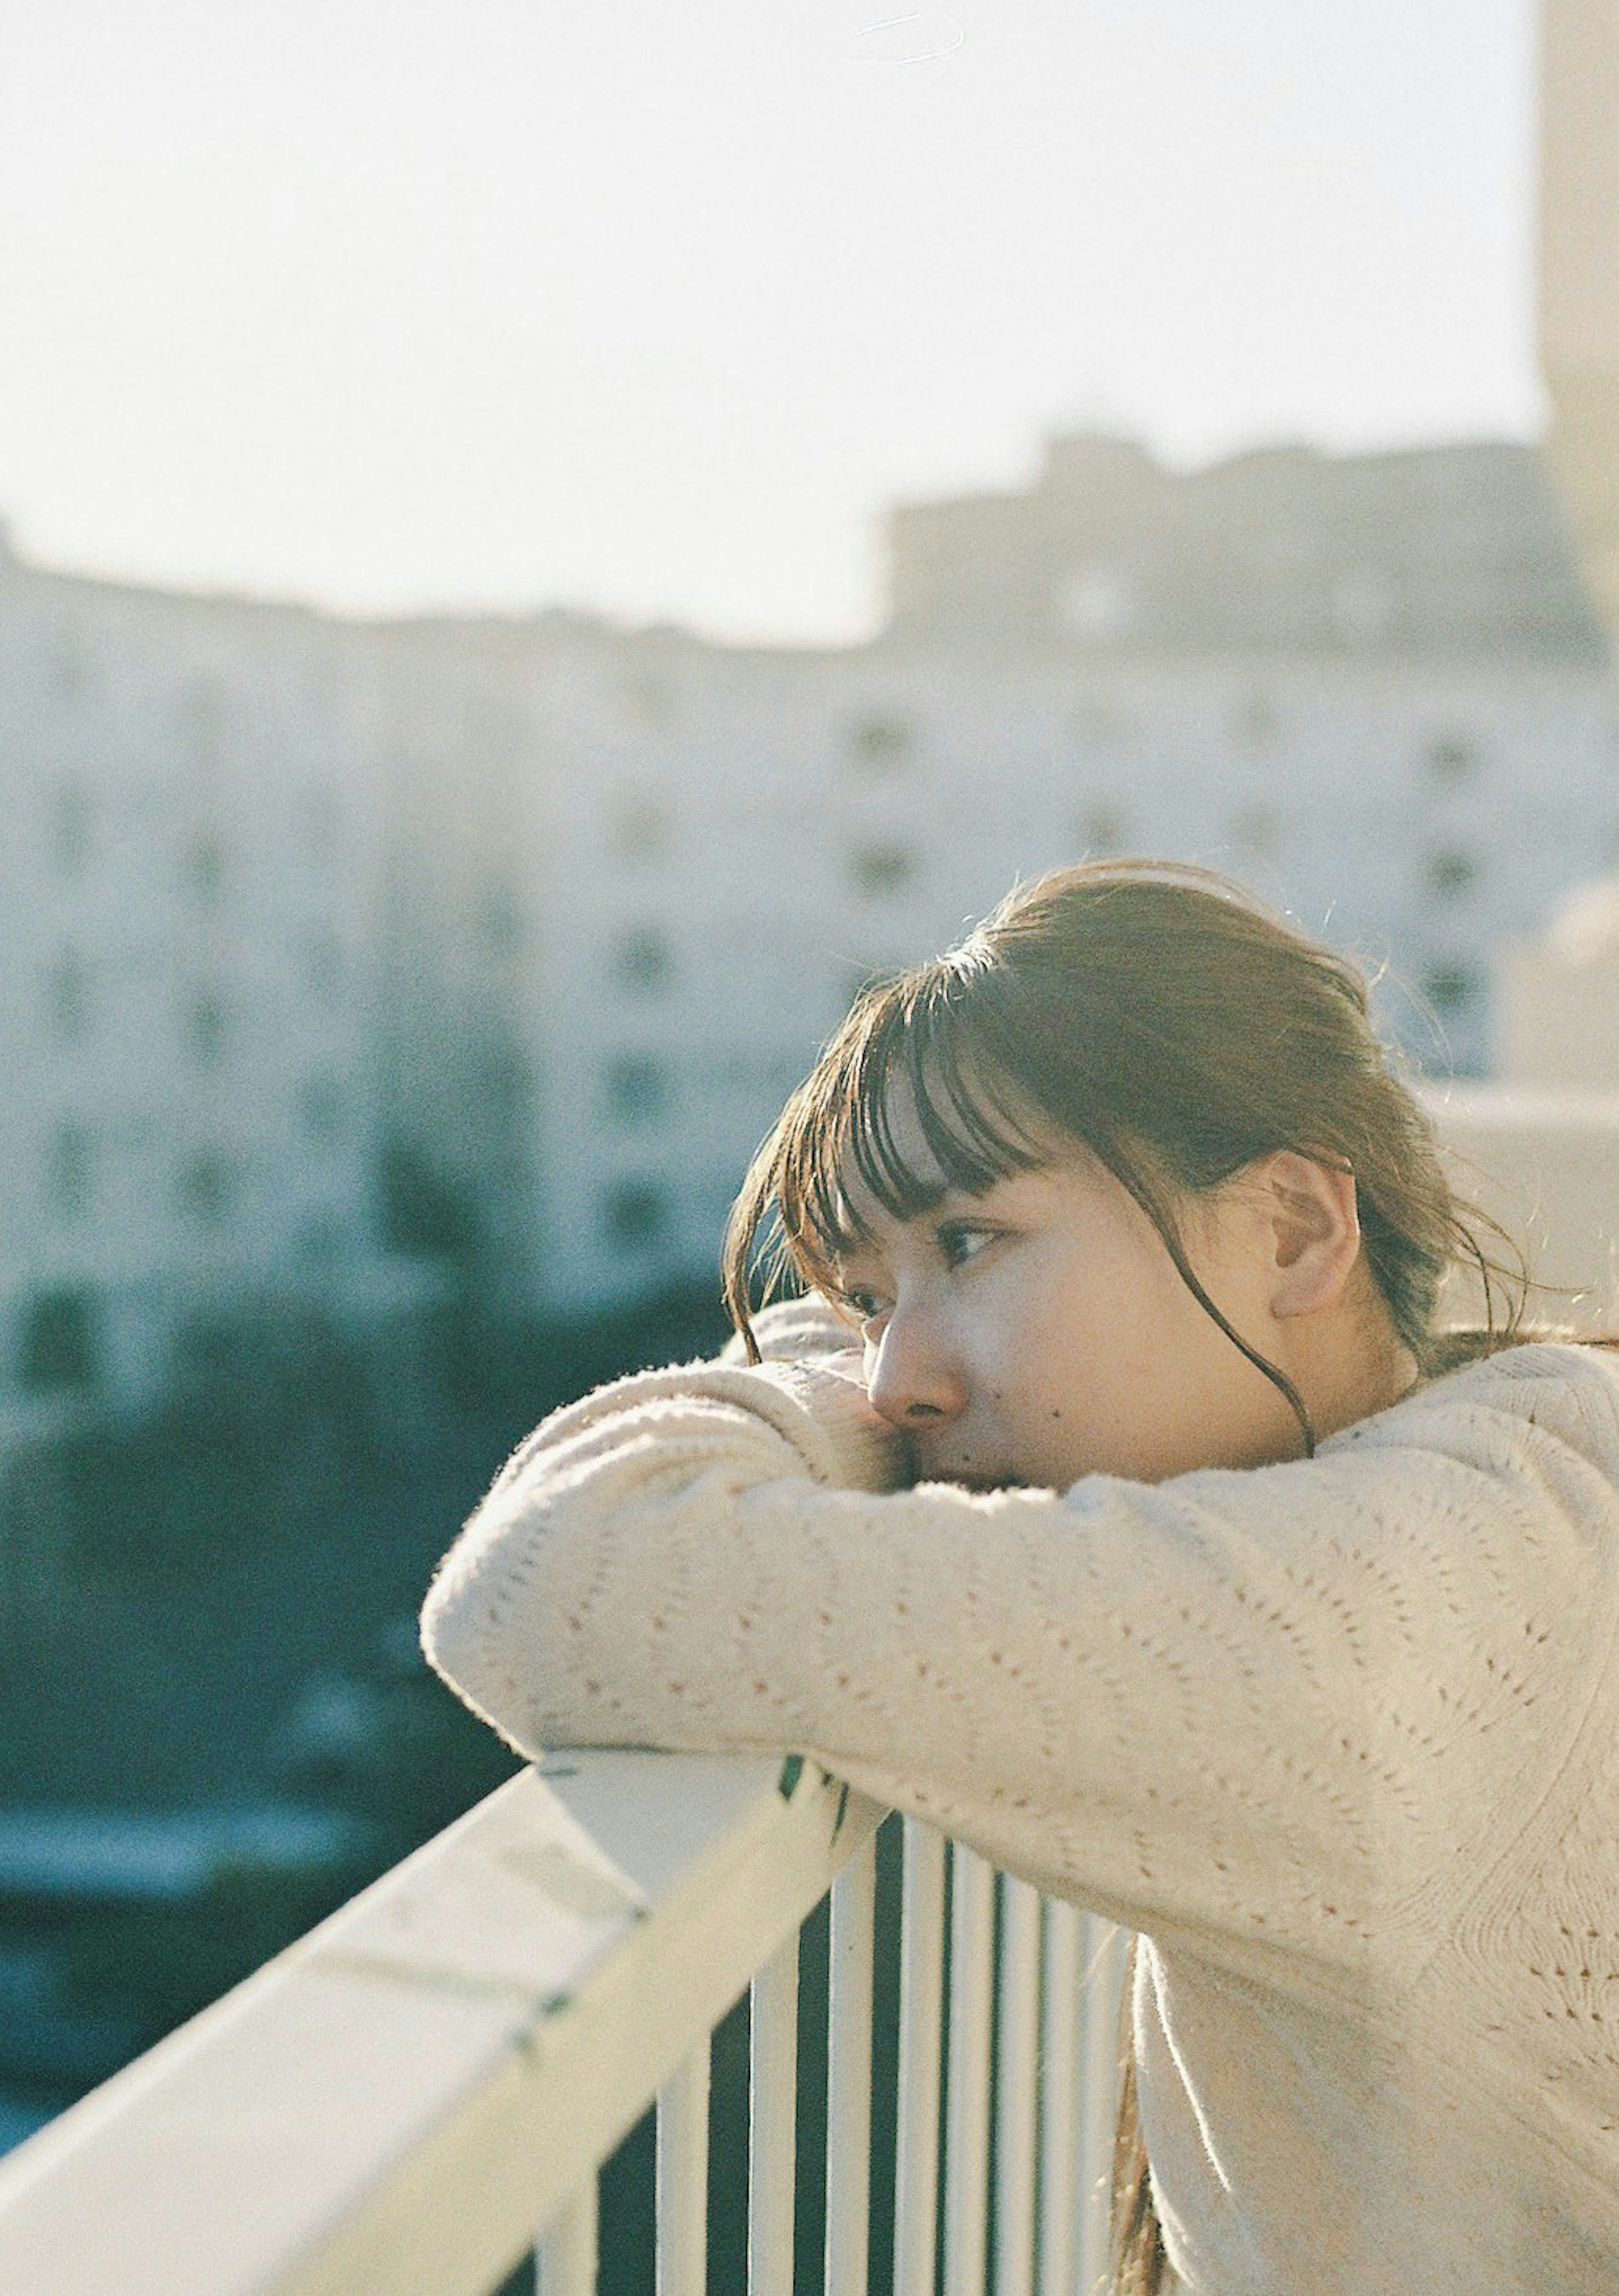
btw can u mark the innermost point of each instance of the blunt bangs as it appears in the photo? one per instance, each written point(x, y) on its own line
point(921, 1042)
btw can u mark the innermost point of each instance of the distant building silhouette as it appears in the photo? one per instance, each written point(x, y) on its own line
point(1455, 549)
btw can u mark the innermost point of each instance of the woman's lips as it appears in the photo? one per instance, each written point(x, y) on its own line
point(971, 1479)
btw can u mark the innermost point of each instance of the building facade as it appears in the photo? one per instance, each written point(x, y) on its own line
point(186, 935)
point(333, 947)
point(703, 918)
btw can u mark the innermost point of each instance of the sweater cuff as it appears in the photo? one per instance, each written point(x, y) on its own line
point(836, 1432)
point(794, 1330)
point(825, 1419)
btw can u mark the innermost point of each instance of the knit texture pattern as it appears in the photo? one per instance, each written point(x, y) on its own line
point(1340, 1737)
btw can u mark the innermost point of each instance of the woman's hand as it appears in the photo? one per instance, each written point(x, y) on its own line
point(834, 1386)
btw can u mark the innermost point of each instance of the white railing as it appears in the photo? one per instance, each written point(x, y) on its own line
point(407, 2099)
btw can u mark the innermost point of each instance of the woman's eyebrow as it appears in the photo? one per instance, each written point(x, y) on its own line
point(971, 1200)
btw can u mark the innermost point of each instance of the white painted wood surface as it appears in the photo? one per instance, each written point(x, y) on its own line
point(683, 2177)
point(1017, 2030)
point(565, 2258)
point(1059, 2117)
point(1106, 1952)
point(849, 2076)
point(921, 2060)
point(773, 2122)
point(967, 2130)
point(396, 2105)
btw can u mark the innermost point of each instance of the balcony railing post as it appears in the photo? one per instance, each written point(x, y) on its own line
point(682, 2180)
point(772, 2122)
point(1060, 2186)
point(966, 2145)
point(1104, 1952)
point(1018, 2087)
point(565, 2260)
point(849, 2076)
point(921, 2043)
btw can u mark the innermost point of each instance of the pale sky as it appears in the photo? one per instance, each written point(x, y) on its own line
point(650, 304)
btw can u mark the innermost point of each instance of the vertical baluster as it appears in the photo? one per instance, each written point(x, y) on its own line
point(849, 2076)
point(966, 2140)
point(1017, 2093)
point(772, 2122)
point(565, 2262)
point(921, 2035)
point(1059, 2162)
point(682, 2202)
point(1106, 1948)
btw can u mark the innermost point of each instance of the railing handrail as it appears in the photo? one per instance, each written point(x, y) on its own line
point(401, 2101)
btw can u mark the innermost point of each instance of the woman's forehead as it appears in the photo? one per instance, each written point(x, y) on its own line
point(863, 1217)
point(898, 1124)
point(866, 1220)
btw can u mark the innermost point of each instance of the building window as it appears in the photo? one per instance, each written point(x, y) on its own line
point(319, 1239)
point(1451, 988)
point(69, 669)
point(205, 1189)
point(635, 1215)
point(207, 1027)
point(879, 741)
point(1100, 722)
point(1451, 874)
point(323, 825)
point(205, 868)
point(59, 1343)
point(1452, 758)
point(1104, 826)
point(322, 1109)
point(1255, 721)
point(1363, 601)
point(645, 963)
point(500, 1076)
point(1258, 831)
point(641, 830)
point(648, 702)
point(69, 828)
point(1095, 603)
point(878, 869)
point(499, 924)
point(67, 997)
point(323, 963)
point(425, 1211)
point(636, 1089)
point(202, 715)
point(68, 1168)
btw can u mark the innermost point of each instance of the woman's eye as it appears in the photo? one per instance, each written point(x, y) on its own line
point(862, 1305)
point(962, 1240)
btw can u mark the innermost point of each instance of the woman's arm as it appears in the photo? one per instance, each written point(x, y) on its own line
point(1251, 1708)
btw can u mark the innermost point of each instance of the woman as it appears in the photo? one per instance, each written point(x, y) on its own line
point(1158, 1545)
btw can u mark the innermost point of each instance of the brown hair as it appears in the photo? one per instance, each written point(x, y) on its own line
point(1178, 1028)
point(1163, 1016)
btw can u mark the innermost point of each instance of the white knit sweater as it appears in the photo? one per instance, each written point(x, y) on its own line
point(1341, 1737)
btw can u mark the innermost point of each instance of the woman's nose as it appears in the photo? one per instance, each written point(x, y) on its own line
point(912, 1380)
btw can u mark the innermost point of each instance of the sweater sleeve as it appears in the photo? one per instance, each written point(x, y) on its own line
point(796, 1331)
point(1252, 1710)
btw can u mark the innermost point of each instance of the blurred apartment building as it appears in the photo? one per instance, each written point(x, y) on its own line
point(330, 944)
point(193, 858)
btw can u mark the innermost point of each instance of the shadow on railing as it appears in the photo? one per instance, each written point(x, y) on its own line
point(405, 2100)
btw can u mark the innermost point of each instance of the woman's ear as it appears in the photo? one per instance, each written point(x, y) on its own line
point(1314, 1230)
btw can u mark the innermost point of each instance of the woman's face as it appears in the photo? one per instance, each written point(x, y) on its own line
point(1039, 1332)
